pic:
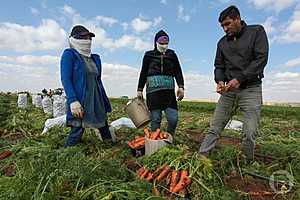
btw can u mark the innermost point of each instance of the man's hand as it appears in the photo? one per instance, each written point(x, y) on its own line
point(76, 109)
point(221, 88)
point(140, 95)
point(180, 94)
point(233, 85)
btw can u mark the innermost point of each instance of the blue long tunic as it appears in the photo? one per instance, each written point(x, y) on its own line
point(74, 80)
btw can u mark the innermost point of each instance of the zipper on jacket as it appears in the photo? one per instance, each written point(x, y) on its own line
point(161, 63)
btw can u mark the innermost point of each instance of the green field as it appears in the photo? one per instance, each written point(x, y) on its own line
point(40, 168)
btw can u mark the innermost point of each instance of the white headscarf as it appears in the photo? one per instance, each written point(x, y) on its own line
point(83, 46)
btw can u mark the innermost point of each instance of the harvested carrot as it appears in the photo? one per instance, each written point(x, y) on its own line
point(144, 174)
point(147, 133)
point(140, 171)
point(5, 154)
point(183, 182)
point(155, 134)
point(150, 176)
point(173, 182)
point(163, 173)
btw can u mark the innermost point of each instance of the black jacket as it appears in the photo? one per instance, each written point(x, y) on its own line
point(243, 56)
point(156, 63)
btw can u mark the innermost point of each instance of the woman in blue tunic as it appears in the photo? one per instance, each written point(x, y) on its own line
point(87, 102)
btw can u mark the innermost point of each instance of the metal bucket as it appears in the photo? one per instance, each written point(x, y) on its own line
point(137, 111)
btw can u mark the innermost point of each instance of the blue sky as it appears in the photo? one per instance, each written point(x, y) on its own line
point(34, 33)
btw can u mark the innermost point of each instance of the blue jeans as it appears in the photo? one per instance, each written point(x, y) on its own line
point(76, 133)
point(172, 118)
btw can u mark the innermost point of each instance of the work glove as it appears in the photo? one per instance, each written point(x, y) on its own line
point(76, 109)
point(180, 94)
point(140, 95)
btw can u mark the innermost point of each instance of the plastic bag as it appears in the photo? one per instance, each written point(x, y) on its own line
point(37, 100)
point(152, 146)
point(59, 106)
point(122, 122)
point(22, 100)
point(234, 125)
point(58, 121)
point(47, 105)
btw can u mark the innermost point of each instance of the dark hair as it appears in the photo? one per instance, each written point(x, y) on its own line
point(231, 11)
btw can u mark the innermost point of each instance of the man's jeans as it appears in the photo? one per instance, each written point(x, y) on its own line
point(172, 118)
point(250, 101)
point(76, 133)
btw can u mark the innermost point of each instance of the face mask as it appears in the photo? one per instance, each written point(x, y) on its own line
point(83, 46)
point(162, 48)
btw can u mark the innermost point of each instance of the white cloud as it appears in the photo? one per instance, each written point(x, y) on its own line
point(163, 2)
point(34, 11)
point(286, 75)
point(106, 20)
point(277, 5)
point(281, 87)
point(157, 21)
point(268, 25)
point(47, 36)
point(293, 63)
point(181, 15)
point(137, 43)
point(29, 72)
point(125, 25)
point(31, 60)
point(291, 31)
point(140, 25)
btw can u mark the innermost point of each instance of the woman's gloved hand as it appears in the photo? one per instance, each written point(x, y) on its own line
point(140, 95)
point(76, 109)
point(180, 94)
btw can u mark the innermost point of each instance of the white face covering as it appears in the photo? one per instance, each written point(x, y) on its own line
point(83, 46)
point(162, 48)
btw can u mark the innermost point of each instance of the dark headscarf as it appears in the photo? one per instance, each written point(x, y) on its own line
point(159, 34)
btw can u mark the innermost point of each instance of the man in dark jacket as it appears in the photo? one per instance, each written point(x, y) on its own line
point(160, 66)
point(240, 59)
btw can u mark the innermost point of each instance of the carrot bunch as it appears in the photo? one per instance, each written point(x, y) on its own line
point(178, 181)
point(156, 135)
point(137, 143)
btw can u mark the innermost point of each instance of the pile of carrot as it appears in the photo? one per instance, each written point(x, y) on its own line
point(177, 180)
point(137, 143)
point(156, 135)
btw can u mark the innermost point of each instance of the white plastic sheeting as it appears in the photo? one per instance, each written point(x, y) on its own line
point(234, 125)
point(22, 100)
point(123, 122)
point(58, 121)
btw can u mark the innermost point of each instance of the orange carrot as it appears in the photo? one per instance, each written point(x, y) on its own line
point(150, 176)
point(140, 171)
point(147, 133)
point(173, 179)
point(163, 173)
point(155, 134)
point(183, 182)
point(144, 174)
